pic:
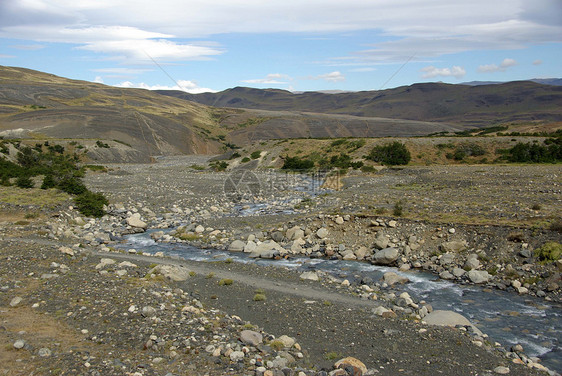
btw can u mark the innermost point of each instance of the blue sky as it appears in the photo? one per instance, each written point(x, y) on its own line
point(299, 45)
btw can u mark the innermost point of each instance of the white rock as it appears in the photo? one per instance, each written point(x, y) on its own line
point(199, 229)
point(15, 301)
point(135, 221)
point(501, 370)
point(322, 233)
point(478, 276)
point(312, 276)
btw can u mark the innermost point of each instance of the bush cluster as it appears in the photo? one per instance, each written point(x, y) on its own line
point(392, 154)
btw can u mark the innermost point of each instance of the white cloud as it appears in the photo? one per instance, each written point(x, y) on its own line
point(491, 68)
point(431, 71)
point(28, 47)
point(183, 85)
point(427, 28)
point(123, 71)
point(272, 78)
point(537, 62)
point(3, 56)
point(366, 69)
point(330, 77)
point(98, 80)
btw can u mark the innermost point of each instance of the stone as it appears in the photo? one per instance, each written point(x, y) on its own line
point(454, 246)
point(250, 246)
point(287, 341)
point(361, 253)
point(311, 276)
point(391, 278)
point(251, 337)
point(350, 361)
point(236, 356)
point(447, 259)
point(66, 251)
point(199, 229)
point(458, 272)
point(558, 264)
point(339, 220)
point(449, 318)
point(236, 246)
point(175, 273)
point(381, 242)
point(392, 223)
point(127, 264)
point(380, 310)
point(472, 263)
point(516, 284)
point(322, 233)
point(19, 344)
point(44, 352)
point(135, 221)
point(478, 276)
point(148, 311)
point(446, 275)
point(105, 262)
point(525, 253)
point(385, 256)
point(501, 370)
point(15, 301)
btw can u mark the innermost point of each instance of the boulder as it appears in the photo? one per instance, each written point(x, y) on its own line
point(175, 273)
point(236, 246)
point(381, 242)
point(447, 259)
point(339, 220)
point(449, 318)
point(385, 256)
point(350, 361)
point(295, 233)
point(391, 278)
point(250, 246)
point(287, 341)
point(454, 246)
point(472, 262)
point(322, 233)
point(135, 221)
point(250, 337)
point(446, 275)
point(311, 276)
point(478, 276)
point(361, 253)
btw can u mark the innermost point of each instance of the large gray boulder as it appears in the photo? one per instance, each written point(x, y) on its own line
point(391, 278)
point(385, 256)
point(236, 246)
point(251, 337)
point(295, 233)
point(135, 221)
point(478, 276)
point(454, 246)
point(175, 273)
point(448, 318)
point(322, 233)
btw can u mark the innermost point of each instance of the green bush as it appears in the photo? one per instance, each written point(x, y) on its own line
point(398, 209)
point(549, 252)
point(394, 153)
point(48, 182)
point(72, 185)
point(256, 154)
point(24, 182)
point(296, 163)
point(91, 204)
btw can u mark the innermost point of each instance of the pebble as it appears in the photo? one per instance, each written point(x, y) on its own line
point(19, 344)
point(15, 301)
point(501, 370)
point(44, 352)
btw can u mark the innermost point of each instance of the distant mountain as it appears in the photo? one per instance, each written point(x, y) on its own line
point(461, 105)
point(139, 123)
point(543, 81)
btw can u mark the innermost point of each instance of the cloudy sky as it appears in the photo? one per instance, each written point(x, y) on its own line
point(204, 45)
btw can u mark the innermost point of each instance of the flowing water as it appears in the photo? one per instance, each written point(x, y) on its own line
point(506, 317)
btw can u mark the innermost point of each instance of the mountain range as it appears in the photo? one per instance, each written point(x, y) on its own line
point(140, 123)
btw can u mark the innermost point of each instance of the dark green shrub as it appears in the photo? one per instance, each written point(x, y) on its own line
point(24, 182)
point(48, 182)
point(245, 160)
point(549, 252)
point(296, 163)
point(91, 204)
point(256, 154)
point(72, 185)
point(398, 209)
point(394, 153)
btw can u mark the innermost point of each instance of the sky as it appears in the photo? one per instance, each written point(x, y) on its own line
point(297, 45)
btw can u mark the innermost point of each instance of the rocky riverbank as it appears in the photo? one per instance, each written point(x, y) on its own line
point(119, 312)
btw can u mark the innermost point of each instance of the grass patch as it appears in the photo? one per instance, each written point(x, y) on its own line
point(332, 355)
point(226, 282)
point(276, 345)
point(259, 297)
point(33, 196)
point(549, 252)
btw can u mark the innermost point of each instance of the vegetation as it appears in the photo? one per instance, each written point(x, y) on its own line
point(549, 152)
point(225, 282)
point(549, 252)
point(394, 153)
point(256, 154)
point(296, 163)
point(59, 171)
point(259, 297)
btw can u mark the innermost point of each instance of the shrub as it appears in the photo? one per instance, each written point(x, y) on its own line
point(296, 163)
point(256, 154)
point(48, 182)
point(259, 297)
point(549, 252)
point(72, 185)
point(398, 209)
point(24, 182)
point(277, 345)
point(91, 204)
point(225, 282)
point(394, 153)
point(245, 160)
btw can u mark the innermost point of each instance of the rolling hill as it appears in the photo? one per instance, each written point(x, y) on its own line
point(460, 105)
